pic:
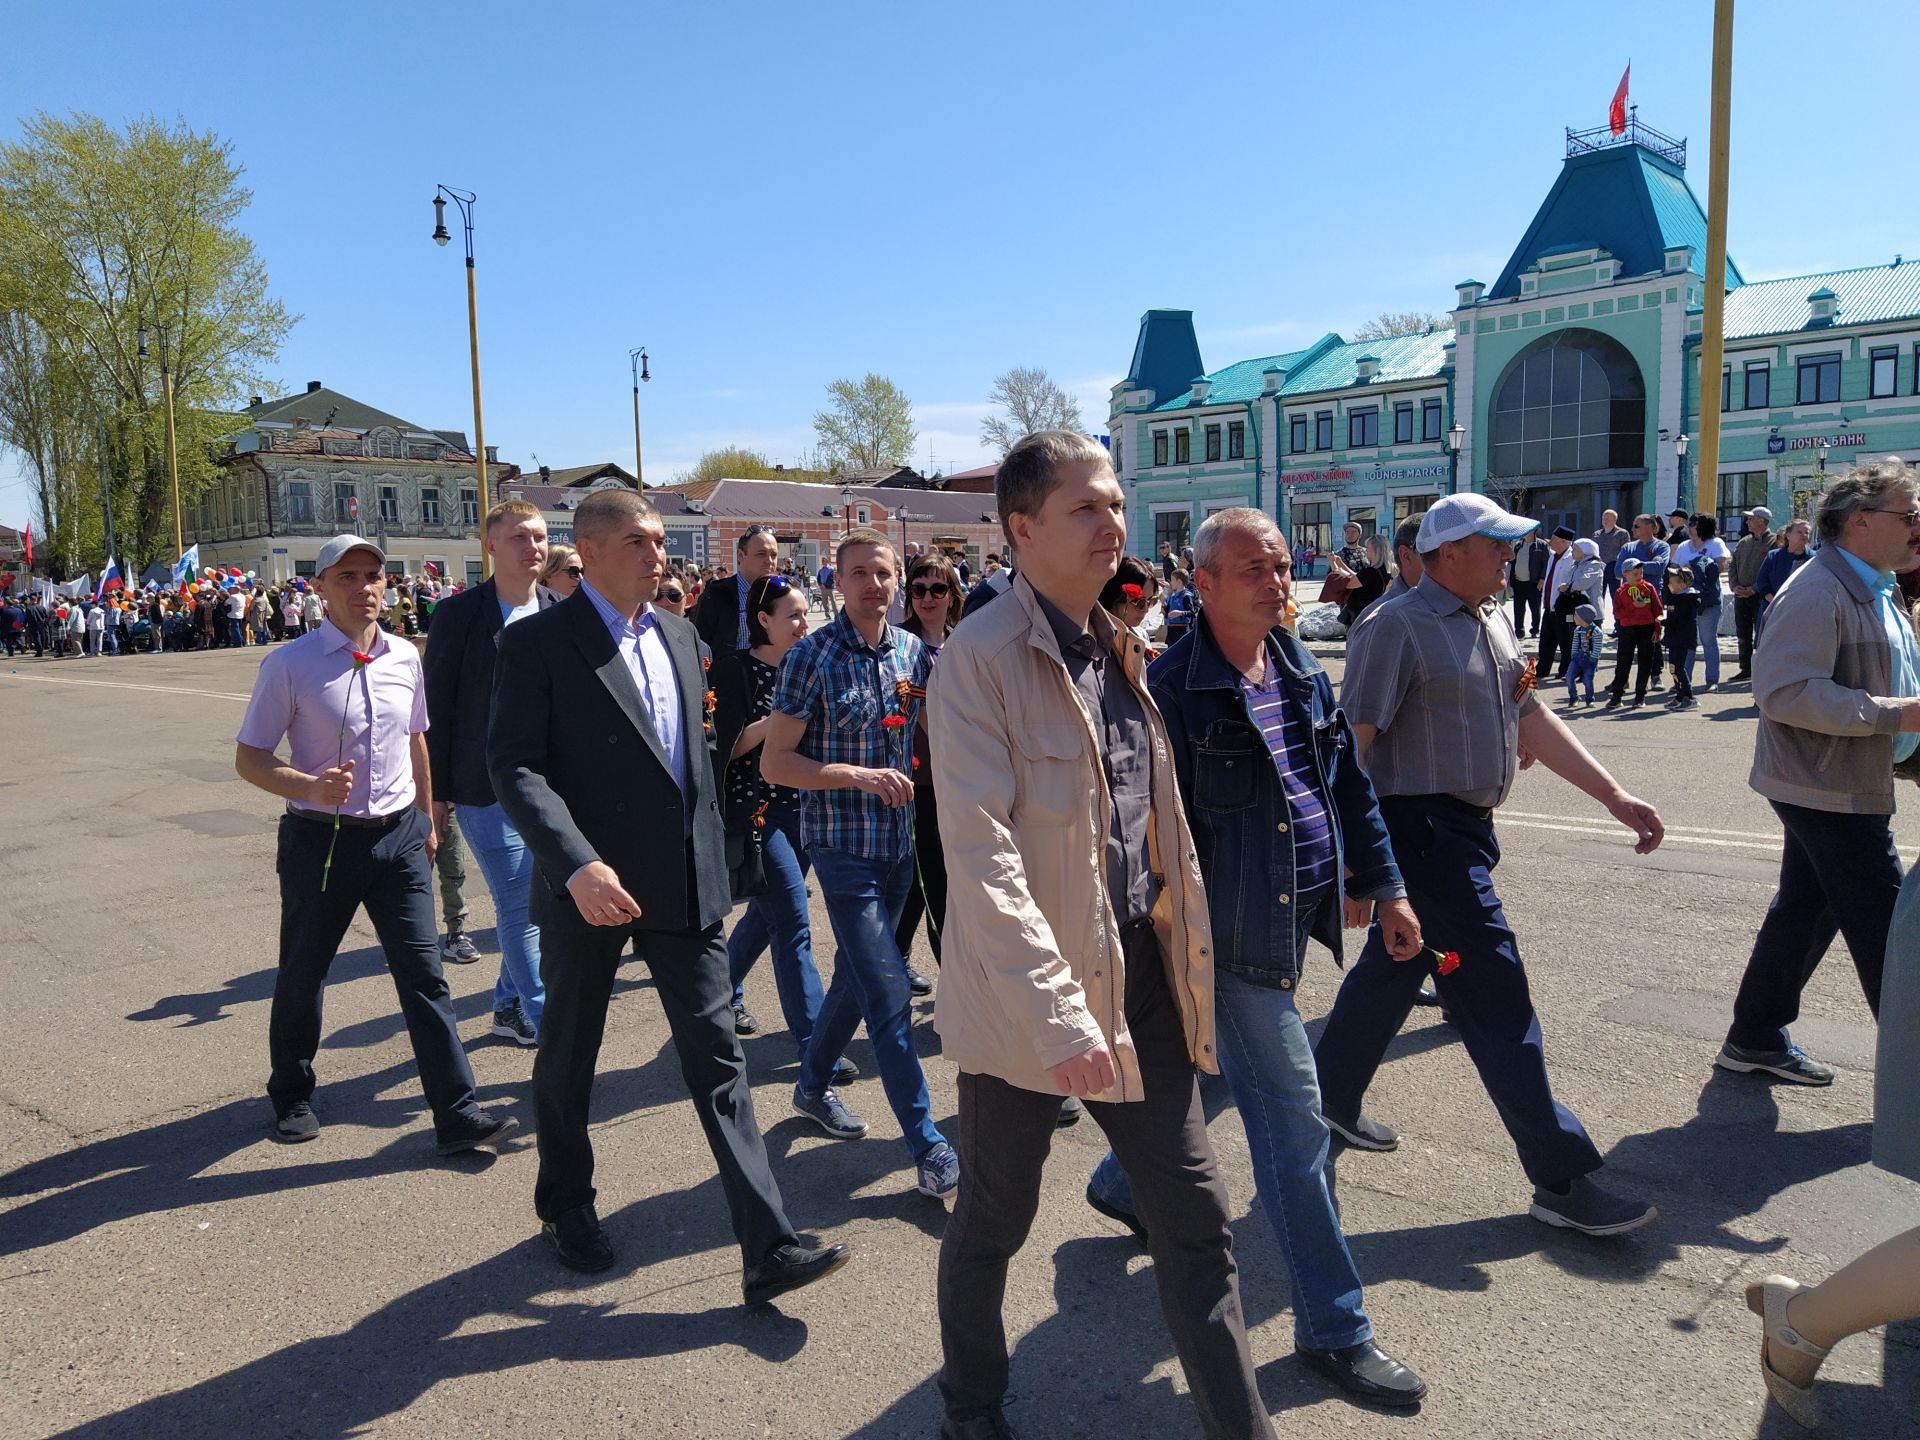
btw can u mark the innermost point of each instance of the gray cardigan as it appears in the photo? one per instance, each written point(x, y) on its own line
point(1821, 680)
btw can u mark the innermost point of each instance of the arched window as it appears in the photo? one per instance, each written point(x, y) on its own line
point(1572, 401)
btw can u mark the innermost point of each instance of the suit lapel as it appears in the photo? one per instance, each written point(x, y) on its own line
point(603, 657)
point(683, 644)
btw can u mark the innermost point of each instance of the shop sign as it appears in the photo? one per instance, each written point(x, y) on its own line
point(1332, 476)
point(1846, 439)
point(1375, 474)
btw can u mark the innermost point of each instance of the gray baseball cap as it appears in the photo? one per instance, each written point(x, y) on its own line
point(338, 546)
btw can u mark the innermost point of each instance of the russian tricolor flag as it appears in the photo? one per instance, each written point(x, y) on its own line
point(110, 578)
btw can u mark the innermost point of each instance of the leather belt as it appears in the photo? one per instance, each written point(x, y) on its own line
point(363, 822)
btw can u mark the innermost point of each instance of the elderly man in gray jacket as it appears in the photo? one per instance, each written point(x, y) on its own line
point(1837, 684)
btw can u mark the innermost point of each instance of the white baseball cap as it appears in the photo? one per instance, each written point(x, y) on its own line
point(1762, 511)
point(1455, 517)
point(338, 546)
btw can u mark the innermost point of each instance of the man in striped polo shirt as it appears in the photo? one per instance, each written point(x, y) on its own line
point(1279, 811)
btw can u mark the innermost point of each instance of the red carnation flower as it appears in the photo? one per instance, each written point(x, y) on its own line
point(894, 722)
point(361, 657)
point(1449, 962)
point(1133, 592)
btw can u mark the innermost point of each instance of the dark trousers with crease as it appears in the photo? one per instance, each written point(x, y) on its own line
point(1556, 643)
point(689, 968)
point(387, 871)
point(1003, 1135)
point(928, 898)
point(1839, 875)
point(1447, 854)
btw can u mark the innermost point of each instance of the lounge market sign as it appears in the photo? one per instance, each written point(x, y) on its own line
point(1372, 474)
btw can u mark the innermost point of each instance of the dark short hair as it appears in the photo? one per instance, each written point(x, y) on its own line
point(765, 593)
point(1705, 524)
point(602, 511)
point(935, 567)
point(753, 532)
point(1029, 473)
point(1132, 570)
point(1406, 536)
point(1645, 519)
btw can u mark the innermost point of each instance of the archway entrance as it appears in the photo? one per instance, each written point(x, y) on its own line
point(1568, 431)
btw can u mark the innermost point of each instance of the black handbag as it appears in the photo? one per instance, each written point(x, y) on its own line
point(746, 864)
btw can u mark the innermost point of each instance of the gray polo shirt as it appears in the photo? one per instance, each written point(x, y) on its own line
point(1443, 684)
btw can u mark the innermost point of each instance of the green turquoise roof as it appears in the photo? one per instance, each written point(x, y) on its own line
point(1635, 204)
point(1868, 295)
point(1401, 357)
point(1242, 381)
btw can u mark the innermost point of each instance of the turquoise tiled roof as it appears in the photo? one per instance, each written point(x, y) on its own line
point(1403, 357)
point(1245, 380)
point(1779, 307)
point(1622, 197)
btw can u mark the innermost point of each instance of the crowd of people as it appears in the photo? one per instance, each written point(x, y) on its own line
point(1120, 842)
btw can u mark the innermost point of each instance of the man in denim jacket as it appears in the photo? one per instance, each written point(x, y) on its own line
point(1279, 811)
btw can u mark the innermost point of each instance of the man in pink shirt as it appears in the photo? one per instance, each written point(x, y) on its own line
point(351, 703)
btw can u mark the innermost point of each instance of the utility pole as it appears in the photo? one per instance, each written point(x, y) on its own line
point(1713, 309)
point(106, 496)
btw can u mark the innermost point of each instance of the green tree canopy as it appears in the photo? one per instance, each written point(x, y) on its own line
point(868, 423)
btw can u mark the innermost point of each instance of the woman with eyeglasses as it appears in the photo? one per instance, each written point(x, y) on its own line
point(743, 685)
point(934, 603)
point(1129, 597)
point(672, 595)
point(561, 574)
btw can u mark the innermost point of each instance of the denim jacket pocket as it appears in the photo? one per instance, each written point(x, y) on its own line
point(1226, 771)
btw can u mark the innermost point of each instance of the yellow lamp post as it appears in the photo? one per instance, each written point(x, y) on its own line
point(638, 360)
point(464, 199)
point(173, 459)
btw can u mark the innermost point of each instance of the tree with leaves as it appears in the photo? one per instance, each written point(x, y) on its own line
point(1032, 403)
point(730, 462)
point(1389, 323)
point(105, 232)
point(869, 423)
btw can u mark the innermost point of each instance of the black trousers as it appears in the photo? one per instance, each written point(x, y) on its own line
point(1526, 598)
point(1635, 646)
point(387, 871)
point(1746, 612)
point(1839, 875)
point(577, 964)
point(928, 897)
point(1003, 1136)
point(1556, 643)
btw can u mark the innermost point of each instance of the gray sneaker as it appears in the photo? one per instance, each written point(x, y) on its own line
point(938, 1172)
point(1363, 1132)
point(1590, 1210)
point(457, 949)
point(830, 1113)
point(1792, 1064)
point(512, 1024)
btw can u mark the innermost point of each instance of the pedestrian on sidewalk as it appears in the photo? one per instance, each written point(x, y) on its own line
point(1637, 608)
point(1681, 635)
point(1584, 646)
point(358, 830)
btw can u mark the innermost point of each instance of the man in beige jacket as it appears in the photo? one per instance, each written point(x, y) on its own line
point(1077, 955)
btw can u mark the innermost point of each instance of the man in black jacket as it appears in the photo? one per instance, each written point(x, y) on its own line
point(721, 615)
point(461, 647)
point(600, 755)
point(1527, 569)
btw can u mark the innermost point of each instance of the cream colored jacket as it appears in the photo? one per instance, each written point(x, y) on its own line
point(1031, 968)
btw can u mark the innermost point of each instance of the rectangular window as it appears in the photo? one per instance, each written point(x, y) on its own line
point(473, 573)
point(1726, 389)
point(1738, 494)
point(346, 504)
point(1213, 442)
point(1366, 517)
point(1119, 464)
point(1323, 430)
point(1759, 386)
point(1405, 507)
point(1403, 424)
point(252, 492)
point(1430, 420)
point(1819, 381)
point(1171, 527)
point(390, 504)
point(429, 507)
point(1159, 447)
point(1182, 446)
point(1363, 428)
point(1883, 365)
point(1312, 525)
point(1237, 441)
point(469, 507)
point(1297, 435)
point(299, 502)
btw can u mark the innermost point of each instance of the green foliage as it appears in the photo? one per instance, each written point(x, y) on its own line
point(103, 231)
point(732, 462)
point(869, 423)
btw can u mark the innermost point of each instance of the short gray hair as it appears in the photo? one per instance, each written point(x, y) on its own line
point(1406, 536)
point(604, 511)
point(1861, 490)
point(1241, 520)
point(1026, 476)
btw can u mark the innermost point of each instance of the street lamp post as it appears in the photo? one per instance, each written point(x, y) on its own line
point(1680, 450)
point(464, 199)
point(1456, 437)
point(638, 360)
point(173, 460)
point(846, 497)
point(1821, 451)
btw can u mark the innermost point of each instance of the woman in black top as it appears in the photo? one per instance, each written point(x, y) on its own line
point(743, 684)
point(934, 602)
point(1370, 580)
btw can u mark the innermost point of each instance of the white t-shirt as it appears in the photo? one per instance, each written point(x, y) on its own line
point(1688, 551)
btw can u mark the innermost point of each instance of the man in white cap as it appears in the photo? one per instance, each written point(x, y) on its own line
point(1442, 700)
point(1742, 573)
point(351, 702)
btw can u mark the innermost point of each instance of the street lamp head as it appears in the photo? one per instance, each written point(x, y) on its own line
point(1680, 443)
point(142, 351)
point(643, 366)
point(1822, 447)
point(1456, 437)
point(440, 235)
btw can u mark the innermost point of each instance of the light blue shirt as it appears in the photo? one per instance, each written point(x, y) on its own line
point(511, 613)
point(1906, 651)
point(644, 649)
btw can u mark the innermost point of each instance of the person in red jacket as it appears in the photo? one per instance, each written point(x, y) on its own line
point(1637, 609)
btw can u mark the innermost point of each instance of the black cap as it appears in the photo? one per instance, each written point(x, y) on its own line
point(1563, 533)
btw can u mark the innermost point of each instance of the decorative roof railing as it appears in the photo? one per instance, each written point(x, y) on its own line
point(1584, 142)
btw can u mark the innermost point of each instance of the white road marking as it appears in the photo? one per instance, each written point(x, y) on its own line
point(1671, 829)
point(1605, 830)
point(126, 685)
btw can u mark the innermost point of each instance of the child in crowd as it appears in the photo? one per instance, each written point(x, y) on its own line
point(1636, 614)
point(1585, 649)
point(1681, 628)
point(1178, 607)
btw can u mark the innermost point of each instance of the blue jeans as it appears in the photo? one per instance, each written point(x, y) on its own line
point(1706, 629)
point(1267, 1065)
point(507, 865)
point(778, 919)
point(1581, 667)
point(864, 898)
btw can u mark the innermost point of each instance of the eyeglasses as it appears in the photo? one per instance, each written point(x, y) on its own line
point(938, 590)
point(672, 597)
point(575, 571)
point(1912, 517)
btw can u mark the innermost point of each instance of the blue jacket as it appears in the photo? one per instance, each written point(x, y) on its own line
point(1235, 806)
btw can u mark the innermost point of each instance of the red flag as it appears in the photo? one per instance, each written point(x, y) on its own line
point(1617, 112)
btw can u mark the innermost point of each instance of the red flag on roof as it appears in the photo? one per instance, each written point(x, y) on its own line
point(1617, 112)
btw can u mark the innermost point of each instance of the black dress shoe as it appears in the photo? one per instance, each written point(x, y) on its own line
point(1427, 997)
point(1367, 1372)
point(788, 1268)
point(577, 1240)
point(467, 1131)
point(1117, 1215)
point(743, 1021)
point(1070, 1112)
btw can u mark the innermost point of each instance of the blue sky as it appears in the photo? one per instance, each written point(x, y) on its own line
point(769, 197)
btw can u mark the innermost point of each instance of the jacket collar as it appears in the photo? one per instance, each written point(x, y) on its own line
point(1835, 561)
point(1112, 640)
point(1209, 669)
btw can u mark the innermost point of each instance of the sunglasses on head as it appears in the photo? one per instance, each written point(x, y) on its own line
point(922, 590)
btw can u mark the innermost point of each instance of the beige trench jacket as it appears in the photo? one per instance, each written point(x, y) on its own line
point(1031, 969)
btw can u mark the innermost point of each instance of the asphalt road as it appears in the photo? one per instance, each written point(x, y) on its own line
point(167, 1270)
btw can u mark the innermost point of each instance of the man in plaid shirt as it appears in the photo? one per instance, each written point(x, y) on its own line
point(840, 733)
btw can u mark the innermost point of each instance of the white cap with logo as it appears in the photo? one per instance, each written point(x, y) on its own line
point(338, 546)
point(1455, 517)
